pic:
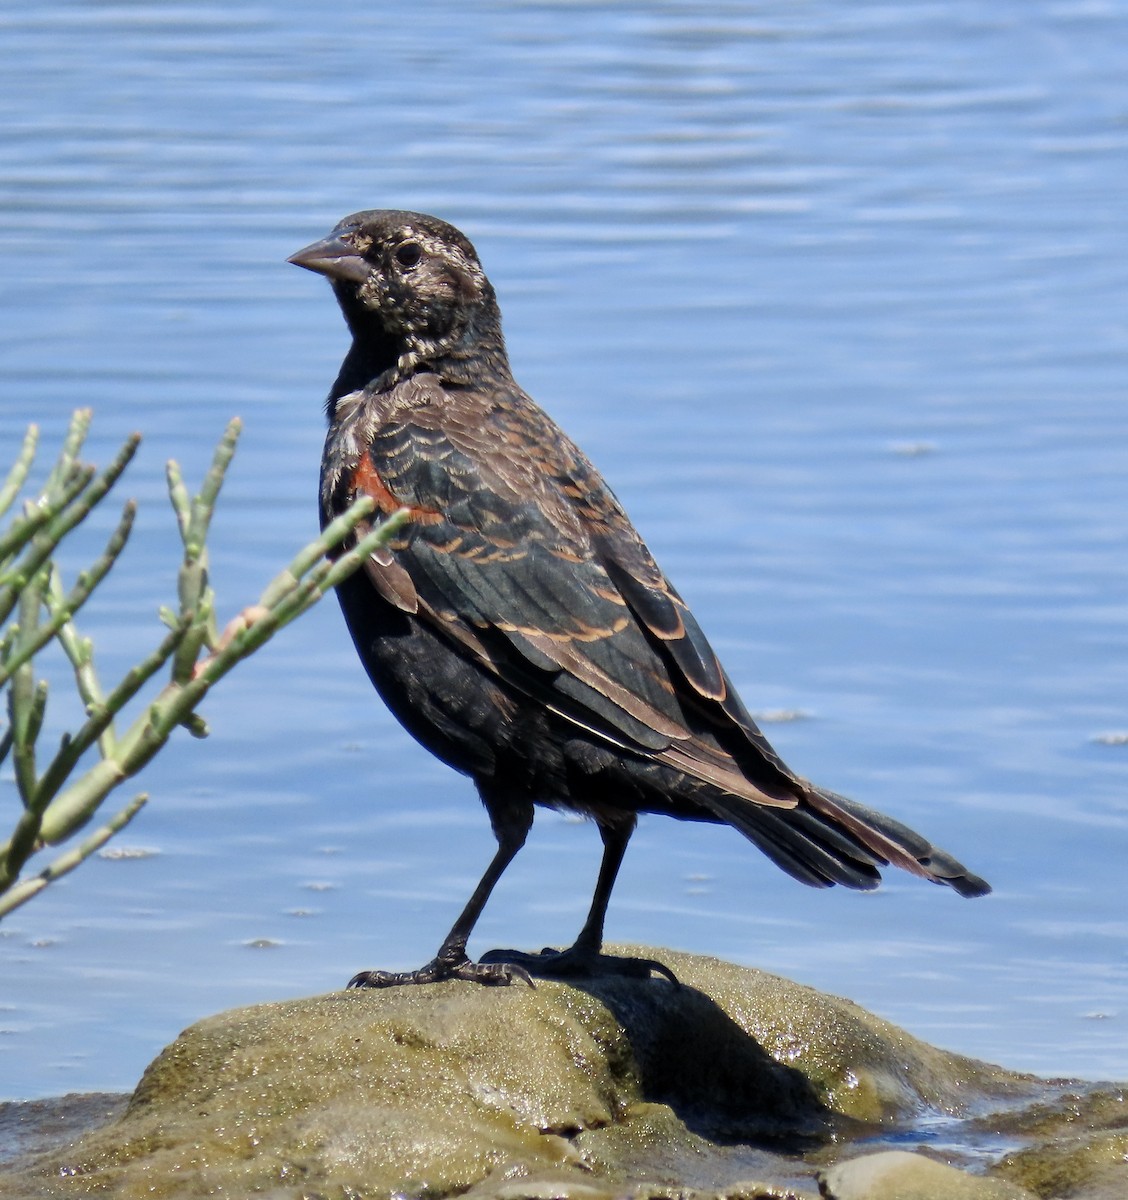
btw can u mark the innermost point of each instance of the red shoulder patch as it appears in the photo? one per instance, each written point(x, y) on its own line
point(365, 480)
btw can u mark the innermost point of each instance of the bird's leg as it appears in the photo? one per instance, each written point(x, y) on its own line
point(584, 956)
point(452, 962)
point(615, 840)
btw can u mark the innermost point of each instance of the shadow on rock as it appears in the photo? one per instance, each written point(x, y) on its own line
point(719, 1081)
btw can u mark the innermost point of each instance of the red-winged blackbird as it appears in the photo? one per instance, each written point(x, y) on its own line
point(518, 626)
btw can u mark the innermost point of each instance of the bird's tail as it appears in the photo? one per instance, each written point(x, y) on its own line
point(828, 839)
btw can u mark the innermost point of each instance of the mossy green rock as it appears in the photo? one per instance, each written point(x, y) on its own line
point(616, 1087)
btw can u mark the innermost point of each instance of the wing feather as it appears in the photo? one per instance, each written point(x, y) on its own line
point(531, 566)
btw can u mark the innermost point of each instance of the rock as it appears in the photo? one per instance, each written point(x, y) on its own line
point(898, 1175)
point(860, 1066)
point(732, 1085)
point(1090, 1166)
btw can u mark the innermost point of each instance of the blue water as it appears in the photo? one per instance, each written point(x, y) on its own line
point(834, 294)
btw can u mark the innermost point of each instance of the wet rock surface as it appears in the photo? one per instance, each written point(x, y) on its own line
point(735, 1084)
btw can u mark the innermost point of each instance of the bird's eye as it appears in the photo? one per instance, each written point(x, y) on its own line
point(408, 254)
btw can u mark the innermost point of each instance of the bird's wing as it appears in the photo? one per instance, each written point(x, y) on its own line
point(519, 553)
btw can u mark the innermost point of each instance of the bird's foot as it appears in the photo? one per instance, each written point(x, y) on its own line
point(499, 974)
point(575, 963)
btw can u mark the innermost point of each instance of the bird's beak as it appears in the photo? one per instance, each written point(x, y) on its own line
point(333, 257)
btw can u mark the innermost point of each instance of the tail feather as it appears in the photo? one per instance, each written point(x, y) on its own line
point(802, 844)
point(909, 849)
point(828, 839)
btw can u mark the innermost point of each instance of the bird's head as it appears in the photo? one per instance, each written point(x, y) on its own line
point(407, 282)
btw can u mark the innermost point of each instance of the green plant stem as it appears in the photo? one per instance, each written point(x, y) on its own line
point(24, 528)
point(68, 811)
point(23, 891)
point(63, 520)
point(65, 607)
point(57, 804)
point(17, 476)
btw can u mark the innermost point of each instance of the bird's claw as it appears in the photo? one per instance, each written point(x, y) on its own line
point(573, 964)
point(488, 974)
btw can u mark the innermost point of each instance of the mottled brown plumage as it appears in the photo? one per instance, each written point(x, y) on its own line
point(518, 626)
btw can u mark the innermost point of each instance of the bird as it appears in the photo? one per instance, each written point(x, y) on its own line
point(518, 626)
